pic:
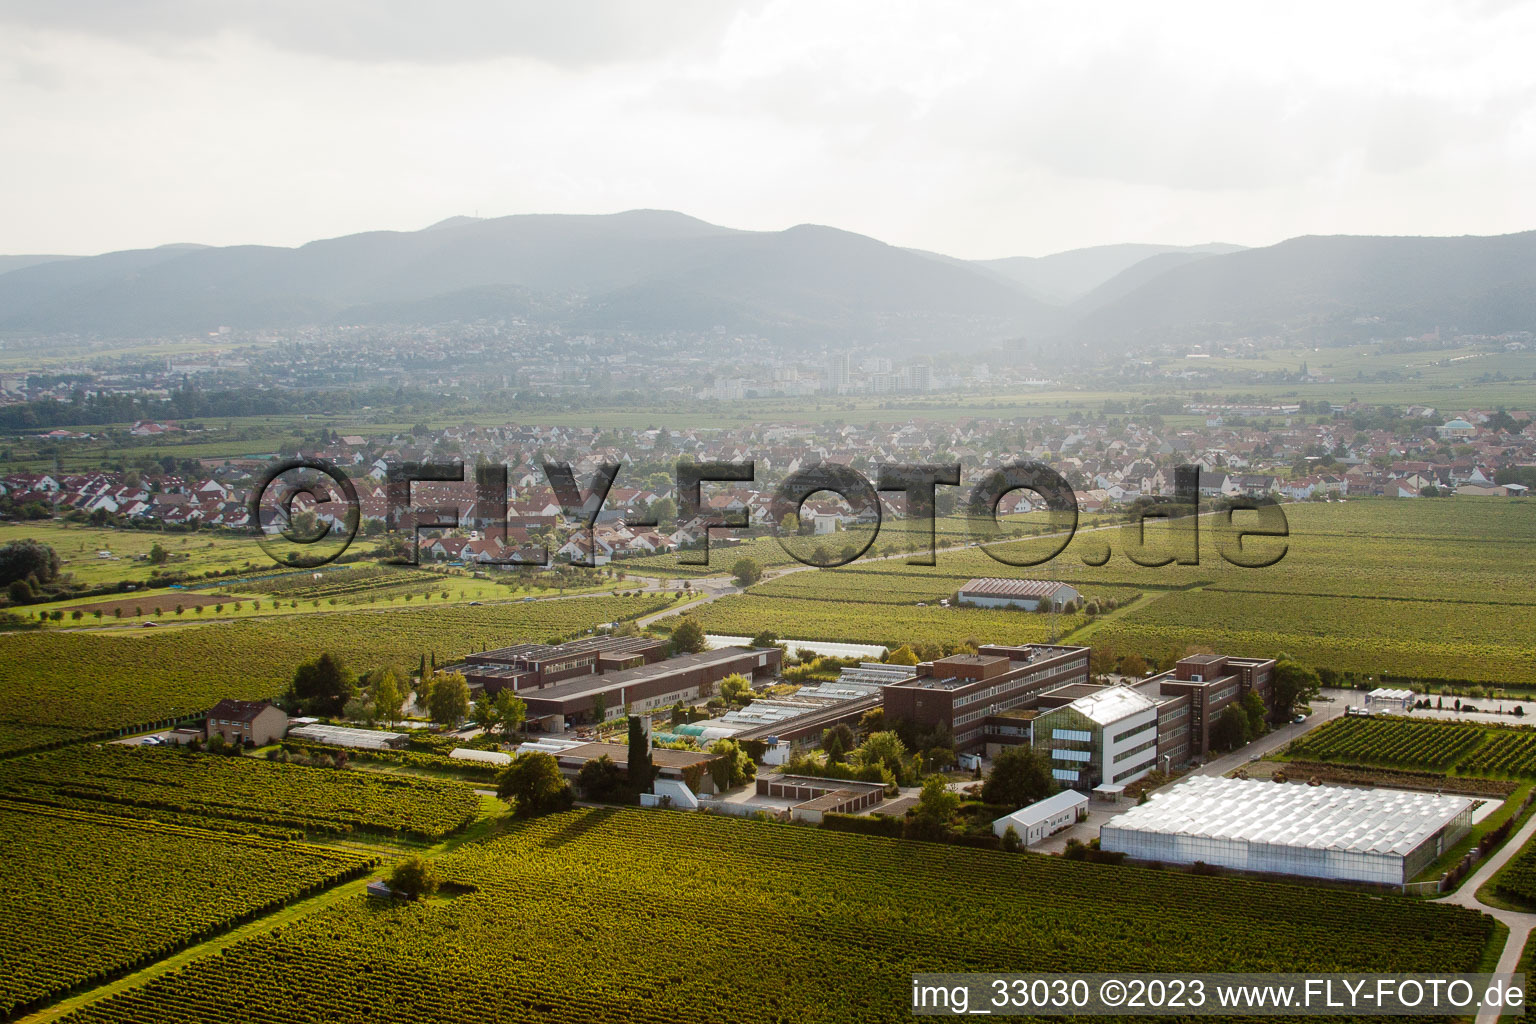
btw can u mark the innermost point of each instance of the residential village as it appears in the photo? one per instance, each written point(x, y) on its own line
point(1287, 452)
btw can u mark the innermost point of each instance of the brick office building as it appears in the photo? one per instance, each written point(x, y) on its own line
point(963, 690)
point(644, 688)
point(1209, 683)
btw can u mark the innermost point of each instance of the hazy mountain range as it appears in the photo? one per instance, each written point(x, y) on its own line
point(655, 270)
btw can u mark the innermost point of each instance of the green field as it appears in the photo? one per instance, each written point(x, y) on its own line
point(227, 793)
point(1431, 744)
point(874, 623)
point(1395, 742)
point(260, 579)
point(194, 553)
point(616, 915)
point(1428, 589)
point(93, 680)
point(898, 535)
point(89, 897)
point(1450, 380)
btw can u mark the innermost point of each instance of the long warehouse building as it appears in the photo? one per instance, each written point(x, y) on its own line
point(687, 678)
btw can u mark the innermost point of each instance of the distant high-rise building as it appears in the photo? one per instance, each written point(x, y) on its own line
point(920, 377)
point(837, 374)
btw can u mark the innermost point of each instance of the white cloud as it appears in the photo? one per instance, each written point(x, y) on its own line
point(979, 130)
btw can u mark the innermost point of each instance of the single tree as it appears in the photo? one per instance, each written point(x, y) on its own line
point(599, 708)
point(1230, 730)
point(937, 802)
point(29, 560)
point(884, 749)
point(1133, 665)
point(688, 637)
point(485, 714)
point(600, 779)
point(837, 742)
point(1011, 842)
point(940, 759)
point(641, 771)
point(1293, 682)
point(513, 710)
point(448, 700)
point(323, 686)
point(1019, 777)
point(388, 694)
point(532, 785)
point(736, 688)
point(1253, 707)
point(871, 722)
point(901, 656)
point(360, 709)
point(732, 766)
point(746, 571)
point(413, 878)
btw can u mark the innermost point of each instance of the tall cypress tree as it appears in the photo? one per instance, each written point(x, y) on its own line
point(640, 770)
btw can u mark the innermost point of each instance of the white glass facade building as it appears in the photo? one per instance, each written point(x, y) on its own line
point(1365, 835)
point(1109, 736)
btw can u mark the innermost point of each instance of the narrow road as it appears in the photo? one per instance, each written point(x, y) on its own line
point(1519, 924)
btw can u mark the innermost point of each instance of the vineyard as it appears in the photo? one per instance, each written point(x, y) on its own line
point(1516, 882)
point(1396, 742)
point(349, 584)
point(1407, 638)
point(94, 681)
point(152, 782)
point(892, 582)
point(891, 625)
point(1507, 752)
point(1467, 748)
point(577, 918)
point(88, 898)
point(1339, 598)
point(896, 535)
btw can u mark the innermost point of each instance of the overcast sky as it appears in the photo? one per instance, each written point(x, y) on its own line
point(974, 129)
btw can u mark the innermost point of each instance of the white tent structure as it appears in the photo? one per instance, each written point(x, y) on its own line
point(1384, 697)
point(1366, 835)
point(483, 756)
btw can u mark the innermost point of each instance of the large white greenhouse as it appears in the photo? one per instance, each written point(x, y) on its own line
point(1366, 835)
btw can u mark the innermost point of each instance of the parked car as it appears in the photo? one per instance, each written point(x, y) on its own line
point(1299, 719)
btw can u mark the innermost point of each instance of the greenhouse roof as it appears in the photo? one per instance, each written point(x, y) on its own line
point(1381, 821)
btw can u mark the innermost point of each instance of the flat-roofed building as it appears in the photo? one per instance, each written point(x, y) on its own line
point(962, 691)
point(1211, 682)
point(686, 678)
point(535, 666)
point(690, 767)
